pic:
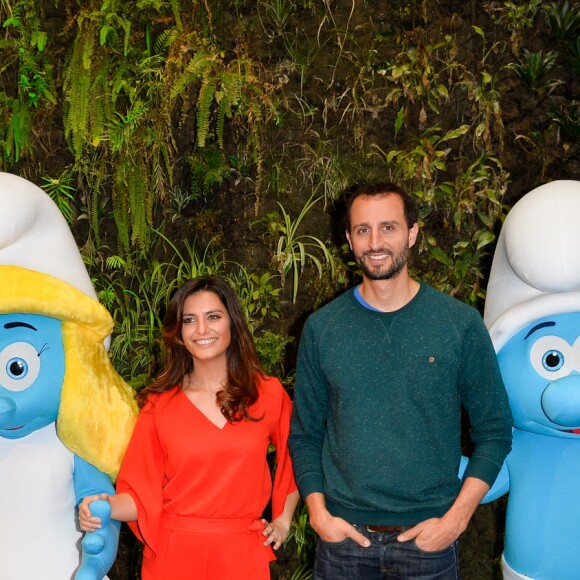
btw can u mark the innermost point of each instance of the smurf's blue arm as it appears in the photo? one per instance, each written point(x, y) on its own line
point(88, 480)
point(501, 485)
point(99, 548)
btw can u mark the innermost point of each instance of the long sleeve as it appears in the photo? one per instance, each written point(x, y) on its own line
point(284, 483)
point(485, 399)
point(308, 425)
point(141, 476)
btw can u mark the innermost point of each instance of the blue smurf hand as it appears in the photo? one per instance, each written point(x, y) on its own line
point(100, 546)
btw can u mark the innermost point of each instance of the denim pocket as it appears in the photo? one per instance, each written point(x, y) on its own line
point(436, 552)
point(334, 543)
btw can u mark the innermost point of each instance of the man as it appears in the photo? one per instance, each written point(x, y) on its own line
point(382, 373)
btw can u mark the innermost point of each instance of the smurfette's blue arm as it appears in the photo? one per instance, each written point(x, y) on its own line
point(99, 548)
point(500, 486)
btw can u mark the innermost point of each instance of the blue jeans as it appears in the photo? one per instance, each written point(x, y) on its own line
point(385, 559)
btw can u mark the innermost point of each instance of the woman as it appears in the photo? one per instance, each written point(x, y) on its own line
point(195, 479)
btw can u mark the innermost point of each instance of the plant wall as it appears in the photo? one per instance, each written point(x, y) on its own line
point(217, 136)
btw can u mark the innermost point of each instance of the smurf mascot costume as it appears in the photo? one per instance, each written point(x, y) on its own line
point(533, 314)
point(65, 414)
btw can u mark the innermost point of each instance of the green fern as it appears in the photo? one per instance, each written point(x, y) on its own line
point(161, 175)
point(94, 189)
point(228, 98)
point(121, 206)
point(204, 101)
point(137, 191)
point(197, 67)
point(19, 131)
point(77, 83)
point(165, 40)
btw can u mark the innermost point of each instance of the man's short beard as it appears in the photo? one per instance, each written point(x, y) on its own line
point(398, 263)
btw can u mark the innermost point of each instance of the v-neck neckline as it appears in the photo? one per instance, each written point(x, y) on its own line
point(203, 414)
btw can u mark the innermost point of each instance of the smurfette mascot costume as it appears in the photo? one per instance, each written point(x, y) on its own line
point(65, 414)
point(532, 311)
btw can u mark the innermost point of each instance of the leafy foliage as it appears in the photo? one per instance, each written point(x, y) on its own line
point(563, 19)
point(533, 69)
point(293, 250)
point(61, 191)
point(184, 138)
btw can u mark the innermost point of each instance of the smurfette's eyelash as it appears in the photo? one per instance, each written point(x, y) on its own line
point(44, 348)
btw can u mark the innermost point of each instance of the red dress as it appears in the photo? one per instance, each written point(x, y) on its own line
point(200, 490)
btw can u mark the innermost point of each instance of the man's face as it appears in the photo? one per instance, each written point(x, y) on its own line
point(379, 236)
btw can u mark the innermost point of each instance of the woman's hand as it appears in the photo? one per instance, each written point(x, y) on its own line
point(276, 532)
point(87, 521)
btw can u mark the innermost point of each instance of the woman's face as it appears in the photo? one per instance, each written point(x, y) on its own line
point(205, 327)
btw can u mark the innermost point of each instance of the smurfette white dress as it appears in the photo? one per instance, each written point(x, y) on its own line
point(39, 537)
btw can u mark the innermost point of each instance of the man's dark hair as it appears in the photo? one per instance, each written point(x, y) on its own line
point(384, 188)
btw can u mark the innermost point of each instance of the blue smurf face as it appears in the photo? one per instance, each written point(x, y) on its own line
point(540, 366)
point(31, 373)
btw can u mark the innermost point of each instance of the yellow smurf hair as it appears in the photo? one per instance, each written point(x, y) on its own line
point(97, 410)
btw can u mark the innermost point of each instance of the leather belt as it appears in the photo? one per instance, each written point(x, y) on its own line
point(386, 529)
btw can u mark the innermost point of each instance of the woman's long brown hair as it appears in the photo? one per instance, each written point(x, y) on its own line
point(243, 365)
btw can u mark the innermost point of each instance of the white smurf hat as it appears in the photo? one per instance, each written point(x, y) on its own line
point(536, 265)
point(42, 272)
point(34, 234)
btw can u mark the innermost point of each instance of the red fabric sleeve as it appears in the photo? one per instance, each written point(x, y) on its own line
point(141, 476)
point(284, 483)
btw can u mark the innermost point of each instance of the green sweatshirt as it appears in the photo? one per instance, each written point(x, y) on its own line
point(377, 413)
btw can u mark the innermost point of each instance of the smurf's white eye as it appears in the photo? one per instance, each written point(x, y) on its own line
point(552, 357)
point(19, 366)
